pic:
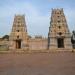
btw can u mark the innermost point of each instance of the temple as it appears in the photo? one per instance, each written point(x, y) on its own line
point(59, 36)
point(18, 38)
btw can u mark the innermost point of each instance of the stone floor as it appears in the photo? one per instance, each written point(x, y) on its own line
point(55, 63)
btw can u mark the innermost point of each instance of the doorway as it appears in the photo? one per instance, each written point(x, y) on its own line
point(60, 42)
point(18, 44)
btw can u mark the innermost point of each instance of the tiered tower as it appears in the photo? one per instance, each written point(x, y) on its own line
point(19, 37)
point(59, 35)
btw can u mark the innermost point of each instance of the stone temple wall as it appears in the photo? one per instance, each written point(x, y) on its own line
point(38, 44)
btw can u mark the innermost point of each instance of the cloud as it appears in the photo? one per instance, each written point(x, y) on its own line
point(36, 23)
point(70, 16)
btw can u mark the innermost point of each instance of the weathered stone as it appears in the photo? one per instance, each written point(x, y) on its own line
point(19, 36)
point(59, 35)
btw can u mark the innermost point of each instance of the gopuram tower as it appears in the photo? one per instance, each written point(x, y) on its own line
point(59, 36)
point(19, 37)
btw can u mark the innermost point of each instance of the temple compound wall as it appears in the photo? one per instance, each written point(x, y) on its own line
point(4, 45)
point(38, 43)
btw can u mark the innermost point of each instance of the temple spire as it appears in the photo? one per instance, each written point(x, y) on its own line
point(59, 34)
point(19, 36)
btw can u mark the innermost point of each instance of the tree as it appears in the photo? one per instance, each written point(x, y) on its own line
point(5, 37)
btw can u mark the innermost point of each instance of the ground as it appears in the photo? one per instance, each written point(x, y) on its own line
point(55, 63)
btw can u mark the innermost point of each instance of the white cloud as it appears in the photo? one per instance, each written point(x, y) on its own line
point(70, 16)
point(36, 23)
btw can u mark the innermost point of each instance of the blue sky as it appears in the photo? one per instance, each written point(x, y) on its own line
point(37, 14)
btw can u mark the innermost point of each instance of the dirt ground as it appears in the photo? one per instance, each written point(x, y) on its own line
point(57, 63)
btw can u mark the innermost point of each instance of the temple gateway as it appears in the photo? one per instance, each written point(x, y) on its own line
point(59, 36)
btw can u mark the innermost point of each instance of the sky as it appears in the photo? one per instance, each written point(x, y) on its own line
point(37, 14)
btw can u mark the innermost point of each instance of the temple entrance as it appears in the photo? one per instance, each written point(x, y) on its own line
point(18, 44)
point(60, 42)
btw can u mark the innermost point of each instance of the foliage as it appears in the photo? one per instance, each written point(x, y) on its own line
point(5, 37)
